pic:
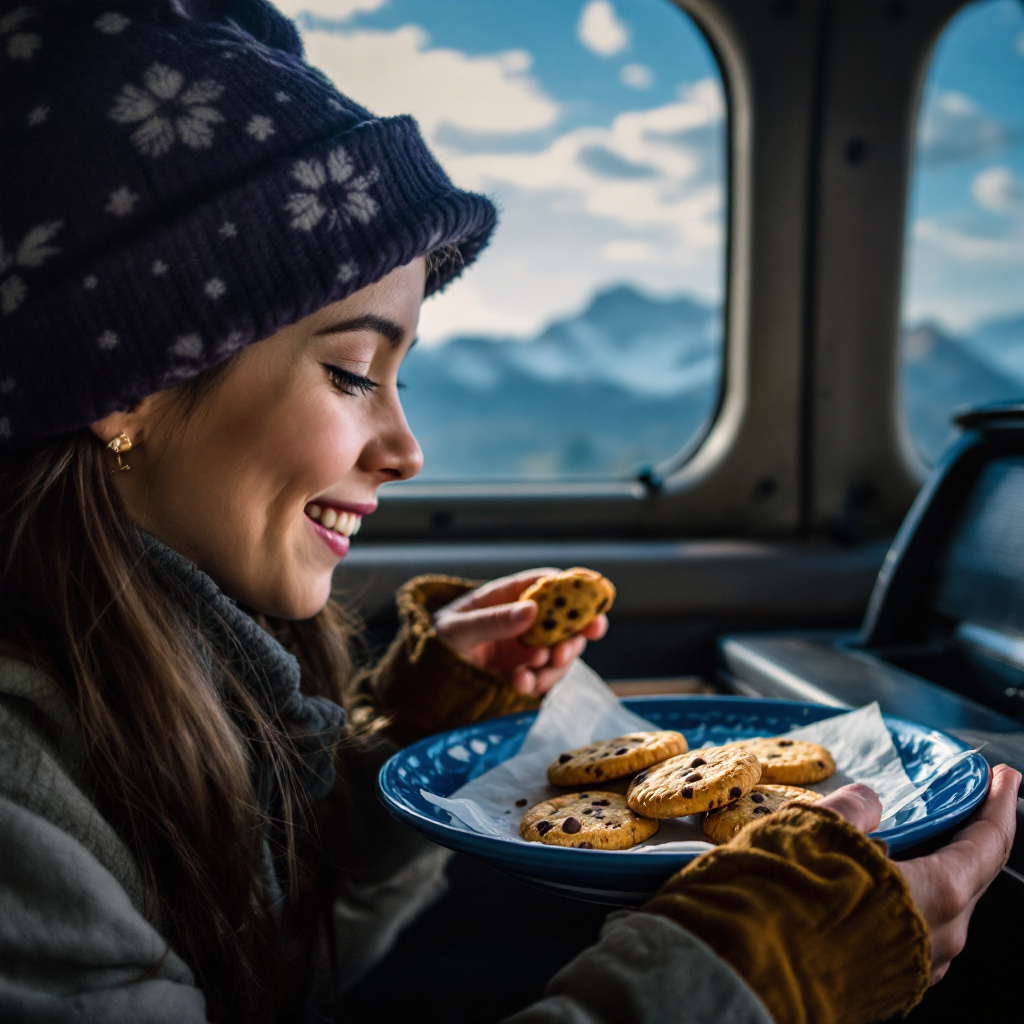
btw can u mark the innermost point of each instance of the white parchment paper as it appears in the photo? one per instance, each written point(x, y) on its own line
point(582, 708)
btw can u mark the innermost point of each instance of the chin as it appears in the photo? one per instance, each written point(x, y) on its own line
point(305, 603)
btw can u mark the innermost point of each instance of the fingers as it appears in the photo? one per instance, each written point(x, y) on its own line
point(540, 678)
point(464, 630)
point(503, 590)
point(946, 885)
point(858, 804)
point(980, 851)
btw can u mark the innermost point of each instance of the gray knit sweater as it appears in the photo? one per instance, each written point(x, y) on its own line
point(76, 935)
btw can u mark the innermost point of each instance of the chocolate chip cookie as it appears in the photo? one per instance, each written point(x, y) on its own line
point(722, 823)
point(693, 782)
point(790, 762)
point(614, 758)
point(567, 602)
point(592, 820)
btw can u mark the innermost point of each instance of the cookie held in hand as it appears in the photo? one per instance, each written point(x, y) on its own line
point(567, 602)
point(694, 782)
point(590, 821)
point(611, 759)
point(722, 824)
point(789, 762)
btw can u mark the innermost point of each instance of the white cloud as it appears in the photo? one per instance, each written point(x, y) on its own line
point(600, 30)
point(954, 128)
point(965, 266)
point(567, 230)
point(630, 250)
point(676, 192)
point(397, 72)
point(998, 189)
point(636, 76)
point(337, 10)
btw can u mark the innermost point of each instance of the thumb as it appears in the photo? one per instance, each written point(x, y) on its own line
point(464, 630)
point(857, 803)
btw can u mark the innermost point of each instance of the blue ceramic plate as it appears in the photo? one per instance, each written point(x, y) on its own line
point(443, 763)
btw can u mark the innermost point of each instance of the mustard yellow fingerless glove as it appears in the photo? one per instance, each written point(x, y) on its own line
point(811, 913)
point(422, 684)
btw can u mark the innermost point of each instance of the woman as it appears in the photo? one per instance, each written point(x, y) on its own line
point(204, 310)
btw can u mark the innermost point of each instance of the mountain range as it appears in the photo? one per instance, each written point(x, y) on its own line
point(630, 379)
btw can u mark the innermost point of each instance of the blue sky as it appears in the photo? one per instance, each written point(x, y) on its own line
point(965, 258)
point(598, 126)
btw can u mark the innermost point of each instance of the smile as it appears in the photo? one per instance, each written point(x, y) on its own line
point(345, 523)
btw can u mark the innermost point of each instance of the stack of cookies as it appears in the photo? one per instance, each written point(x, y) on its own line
point(653, 775)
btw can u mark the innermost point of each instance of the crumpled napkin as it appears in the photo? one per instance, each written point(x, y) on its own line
point(582, 708)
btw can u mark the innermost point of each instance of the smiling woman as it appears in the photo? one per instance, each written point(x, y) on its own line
point(306, 421)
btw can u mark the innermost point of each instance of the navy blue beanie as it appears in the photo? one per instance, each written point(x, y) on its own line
point(176, 183)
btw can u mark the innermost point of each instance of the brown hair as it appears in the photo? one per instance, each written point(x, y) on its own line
point(169, 767)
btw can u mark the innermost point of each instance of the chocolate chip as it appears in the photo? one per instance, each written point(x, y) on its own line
point(693, 777)
point(584, 846)
point(600, 803)
point(785, 743)
point(762, 810)
point(544, 827)
point(521, 802)
point(598, 772)
point(562, 758)
point(583, 796)
point(599, 816)
point(559, 602)
point(697, 762)
point(688, 792)
point(549, 623)
point(572, 825)
point(572, 613)
point(758, 798)
point(774, 755)
point(621, 750)
point(576, 584)
point(640, 776)
point(735, 793)
point(821, 764)
point(588, 810)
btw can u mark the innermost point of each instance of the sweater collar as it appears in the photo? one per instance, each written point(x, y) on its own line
point(272, 674)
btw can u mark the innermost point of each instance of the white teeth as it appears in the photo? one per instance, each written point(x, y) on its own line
point(345, 523)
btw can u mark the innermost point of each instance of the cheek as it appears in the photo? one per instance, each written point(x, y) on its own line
point(317, 447)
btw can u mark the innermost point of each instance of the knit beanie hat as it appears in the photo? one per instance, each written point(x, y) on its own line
point(176, 183)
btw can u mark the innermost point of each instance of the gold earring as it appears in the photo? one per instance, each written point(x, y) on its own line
point(121, 445)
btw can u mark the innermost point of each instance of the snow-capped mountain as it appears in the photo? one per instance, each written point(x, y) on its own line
point(631, 379)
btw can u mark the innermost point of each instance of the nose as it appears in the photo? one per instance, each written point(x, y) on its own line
point(393, 452)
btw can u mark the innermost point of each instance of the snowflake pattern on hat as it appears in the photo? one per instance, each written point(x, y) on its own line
point(167, 113)
point(19, 45)
point(112, 23)
point(34, 251)
point(307, 207)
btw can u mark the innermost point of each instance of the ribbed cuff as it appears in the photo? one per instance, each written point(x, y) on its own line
point(812, 914)
point(422, 684)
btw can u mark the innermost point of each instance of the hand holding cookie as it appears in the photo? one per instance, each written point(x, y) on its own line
point(485, 625)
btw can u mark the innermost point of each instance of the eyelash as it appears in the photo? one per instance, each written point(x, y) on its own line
point(350, 383)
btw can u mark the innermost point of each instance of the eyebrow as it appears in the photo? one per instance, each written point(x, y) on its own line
point(371, 322)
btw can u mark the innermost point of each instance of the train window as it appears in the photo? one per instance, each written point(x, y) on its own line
point(963, 297)
point(589, 339)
